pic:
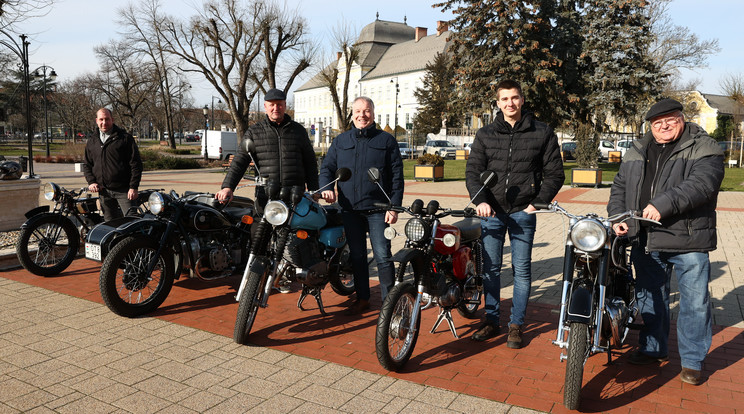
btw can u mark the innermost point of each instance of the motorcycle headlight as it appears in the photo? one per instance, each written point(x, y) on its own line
point(416, 230)
point(156, 203)
point(588, 235)
point(276, 212)
point(389, 233)
point(449, 240)
point(51, 191)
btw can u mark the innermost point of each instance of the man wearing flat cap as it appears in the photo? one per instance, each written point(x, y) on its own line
point(673, 175)
point(281, 150)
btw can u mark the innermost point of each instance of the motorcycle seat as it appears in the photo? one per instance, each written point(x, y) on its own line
point(470, 229)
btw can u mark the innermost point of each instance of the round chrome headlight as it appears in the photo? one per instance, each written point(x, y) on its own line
point(416, 230)
point(276, 212)
point(588, 235)
point(51, 191)
point(156, 203)
point(449, 240)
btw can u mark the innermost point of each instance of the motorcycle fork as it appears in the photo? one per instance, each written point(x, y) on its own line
point(604, 263)
point(416, 308)
point(258, 247)
point(569, 262)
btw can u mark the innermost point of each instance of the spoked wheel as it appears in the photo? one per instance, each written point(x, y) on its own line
point(342, 279)
point(126, 287)
point(56, 241)
point(578, 352)
point(394, 339)
point(470, 294)
point(249, 301)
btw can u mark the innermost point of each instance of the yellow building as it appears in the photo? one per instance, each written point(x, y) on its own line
point(704, 108)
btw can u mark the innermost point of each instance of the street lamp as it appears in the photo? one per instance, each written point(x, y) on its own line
point(205, 111)
point(395, 128)
point(219, 101)
point(41, 72)
point(21, 50)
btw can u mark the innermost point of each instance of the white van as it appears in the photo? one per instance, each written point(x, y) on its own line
point(219, 144)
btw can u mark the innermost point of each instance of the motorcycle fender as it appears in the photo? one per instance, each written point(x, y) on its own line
point(36, 211)
point(416, 257)
point(33, 219)
point(109, 233)
point(580, 305)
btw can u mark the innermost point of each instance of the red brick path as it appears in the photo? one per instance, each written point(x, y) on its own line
point(530, 377)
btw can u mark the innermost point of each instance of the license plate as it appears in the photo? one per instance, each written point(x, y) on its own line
point(93, 251)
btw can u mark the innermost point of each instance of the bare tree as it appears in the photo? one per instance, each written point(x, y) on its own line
point(15, 11)
point(732, 86)
point(676, 47)
point(343, 38)
point(239, 47)
point(75, 105)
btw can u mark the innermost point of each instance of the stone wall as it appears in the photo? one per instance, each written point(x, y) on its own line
point(16, 198)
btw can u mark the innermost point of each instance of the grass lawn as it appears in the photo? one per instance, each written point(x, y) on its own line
point(454, 170)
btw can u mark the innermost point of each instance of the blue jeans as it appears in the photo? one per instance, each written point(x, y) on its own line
point(694, 325)
point(356, 226)
point(521, 228)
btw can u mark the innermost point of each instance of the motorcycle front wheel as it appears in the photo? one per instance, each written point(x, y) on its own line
point(394, 340)
point(57, 242)
point(578, 352)
point(248, 308)
point(126, 287)
point(342, 277)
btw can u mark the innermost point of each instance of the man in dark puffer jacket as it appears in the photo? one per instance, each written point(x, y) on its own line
point(525, 155)
point(673, 174)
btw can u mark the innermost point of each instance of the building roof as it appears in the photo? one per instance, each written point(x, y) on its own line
point(382, 31)
point(724, 104)
point(409, 56)
point(316, 81)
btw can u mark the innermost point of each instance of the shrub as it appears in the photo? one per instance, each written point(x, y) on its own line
point(428, 159)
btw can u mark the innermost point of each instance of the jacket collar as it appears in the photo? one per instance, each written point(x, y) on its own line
point(368, 132)
point(524, 123)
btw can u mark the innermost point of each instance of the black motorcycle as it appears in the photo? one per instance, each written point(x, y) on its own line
point(192, 234)
point(598, 305)
point(56, 235)
point(300, 240)
point(440, 264)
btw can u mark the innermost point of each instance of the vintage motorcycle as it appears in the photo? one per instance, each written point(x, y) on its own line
point(291, 234)
point(192, 233)
point(598, 305)
point(58, 234)
point(440, 264)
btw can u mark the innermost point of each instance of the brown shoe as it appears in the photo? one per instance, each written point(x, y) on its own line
point(690, 376)
point(514, 340)
point(486, 331)
point(358, 307)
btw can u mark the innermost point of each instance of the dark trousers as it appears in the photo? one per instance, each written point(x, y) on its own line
point(114, 203)
point(356, 226)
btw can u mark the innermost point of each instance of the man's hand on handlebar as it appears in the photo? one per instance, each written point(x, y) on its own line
point(391, 217)
point(621, 229)
point(329, 196)
point(224, 195)
point(484, 210)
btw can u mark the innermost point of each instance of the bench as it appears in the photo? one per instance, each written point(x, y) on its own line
point(227, 162)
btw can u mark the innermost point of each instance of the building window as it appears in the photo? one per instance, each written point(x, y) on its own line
point(379, 119)
point(486, 119)
point(387, 119)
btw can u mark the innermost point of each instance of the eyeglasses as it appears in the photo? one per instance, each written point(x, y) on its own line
point(671, 121)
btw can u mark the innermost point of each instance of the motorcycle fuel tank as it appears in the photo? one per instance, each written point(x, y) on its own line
point(333, 237)
point(209, 220)
point(308, 216)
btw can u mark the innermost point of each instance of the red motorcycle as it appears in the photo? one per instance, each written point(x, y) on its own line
point(440, 264)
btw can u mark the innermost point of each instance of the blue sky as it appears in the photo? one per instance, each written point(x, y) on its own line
point(64, 39)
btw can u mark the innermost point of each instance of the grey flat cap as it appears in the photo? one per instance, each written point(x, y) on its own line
point(275, 95)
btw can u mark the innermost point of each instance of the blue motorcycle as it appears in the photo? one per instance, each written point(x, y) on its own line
point(297, 239)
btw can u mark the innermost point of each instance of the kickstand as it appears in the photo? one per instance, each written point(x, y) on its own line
point(445, 314)
point(316, 294)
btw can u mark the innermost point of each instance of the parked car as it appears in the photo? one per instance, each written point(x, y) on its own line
point(406, 151)
point(192, 138)
point(568, 150)
point(728, 146)
point(623, 145)
point(466, 147)
point(443, 148)
point(605, 147)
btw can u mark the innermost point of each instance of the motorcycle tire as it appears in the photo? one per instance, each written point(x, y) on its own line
point(468, 310)
point(578, 341)
point(248, 307)
point(58, 243)
point(342, 282)
point(125, 289)
point(394, 342)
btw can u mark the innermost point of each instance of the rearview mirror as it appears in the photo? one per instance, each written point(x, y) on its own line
point(373, 174)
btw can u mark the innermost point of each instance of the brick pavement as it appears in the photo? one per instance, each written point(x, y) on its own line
point(36, 339)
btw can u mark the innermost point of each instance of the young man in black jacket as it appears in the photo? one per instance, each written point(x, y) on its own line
point(112, 167)
point(526, 157)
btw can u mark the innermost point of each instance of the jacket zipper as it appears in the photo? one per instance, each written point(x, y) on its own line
point(508, 169)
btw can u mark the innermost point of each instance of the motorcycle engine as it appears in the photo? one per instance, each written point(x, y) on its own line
point(214, 260)
point(616, 318)
point(451, 295)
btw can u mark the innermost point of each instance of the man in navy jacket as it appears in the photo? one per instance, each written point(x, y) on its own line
point(359, 149)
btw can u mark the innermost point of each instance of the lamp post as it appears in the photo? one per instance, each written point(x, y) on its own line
point(395, 127)
point(41, 72)
point(21, 50)
point(205, 111)
point(219, 101)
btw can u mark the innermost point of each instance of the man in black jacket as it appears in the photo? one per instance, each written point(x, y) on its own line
point(525, 156)
point(673, 174)
point(281, 150)
point(112, 167)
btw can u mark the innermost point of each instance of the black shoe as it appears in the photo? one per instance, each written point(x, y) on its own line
point(639, 358)
point(486, 331)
